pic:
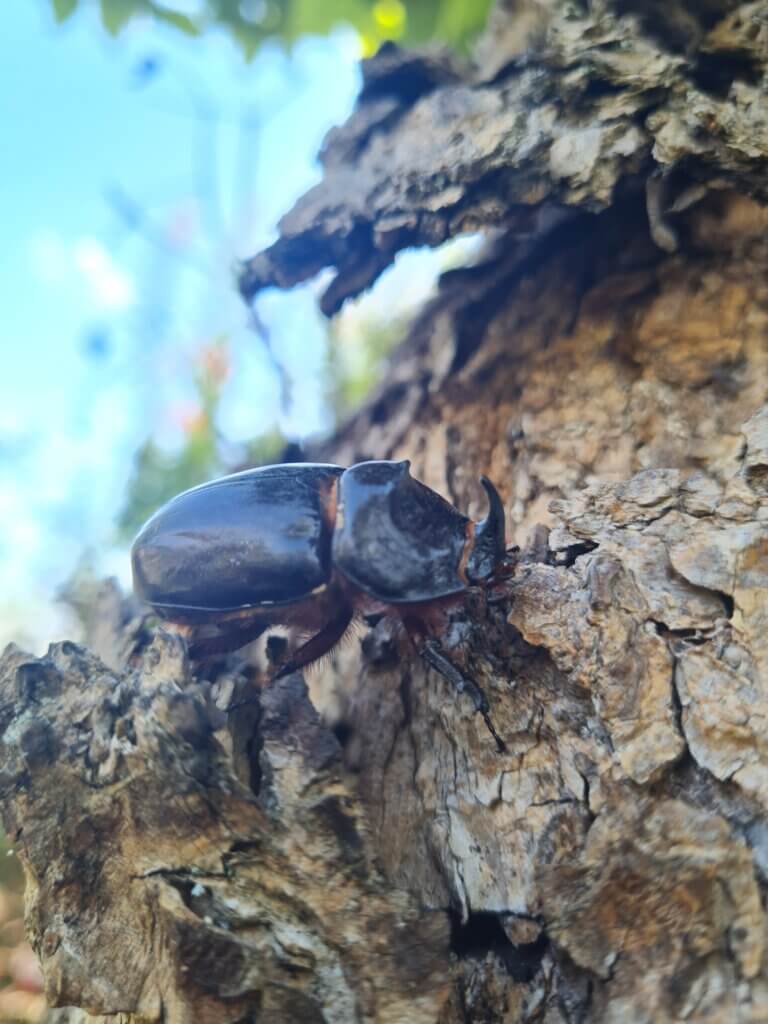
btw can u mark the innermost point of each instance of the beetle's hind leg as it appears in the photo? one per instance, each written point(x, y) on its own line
point(431, 651)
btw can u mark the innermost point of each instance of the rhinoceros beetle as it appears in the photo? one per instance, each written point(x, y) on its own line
point(313, 546)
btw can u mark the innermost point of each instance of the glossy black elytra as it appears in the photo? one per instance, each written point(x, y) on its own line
point(315, 545)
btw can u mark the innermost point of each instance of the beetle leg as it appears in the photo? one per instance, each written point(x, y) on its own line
point(314, 648)
point(230, 640)
point(431, 651)
point(317, 645)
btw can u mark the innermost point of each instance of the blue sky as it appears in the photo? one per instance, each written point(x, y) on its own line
point(102, 312)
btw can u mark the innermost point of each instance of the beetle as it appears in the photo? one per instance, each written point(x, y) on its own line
point(314, 546)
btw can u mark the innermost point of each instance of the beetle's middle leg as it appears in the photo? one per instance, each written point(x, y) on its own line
point(319, 644)
point(431, 651)
point(233, 635)
point(314, 648)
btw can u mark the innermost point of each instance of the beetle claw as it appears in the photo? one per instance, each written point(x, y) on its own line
point(501, 746)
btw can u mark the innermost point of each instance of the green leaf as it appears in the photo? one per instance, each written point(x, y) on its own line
point(249, 34)
point(226, 10)
point(308, 17)
point(458, 20)
point(115, 14)
point(420, 23)
point(248, 38)
point(63, 9)
point(180, 21)
point(410, 22)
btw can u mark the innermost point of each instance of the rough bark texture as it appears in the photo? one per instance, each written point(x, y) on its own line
point(180, 874)
point(606, 364)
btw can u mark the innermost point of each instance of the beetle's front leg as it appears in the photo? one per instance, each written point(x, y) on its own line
point(431, 651)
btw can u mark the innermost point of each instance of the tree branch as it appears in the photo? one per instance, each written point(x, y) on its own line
point(570, 107)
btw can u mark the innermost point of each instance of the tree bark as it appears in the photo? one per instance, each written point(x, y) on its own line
point(606, 364)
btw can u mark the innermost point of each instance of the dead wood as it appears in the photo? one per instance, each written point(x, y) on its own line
point(606, 364)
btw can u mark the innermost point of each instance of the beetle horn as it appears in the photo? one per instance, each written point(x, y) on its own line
point(489, 542)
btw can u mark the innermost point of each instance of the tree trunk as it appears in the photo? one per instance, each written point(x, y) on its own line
point(606, 364)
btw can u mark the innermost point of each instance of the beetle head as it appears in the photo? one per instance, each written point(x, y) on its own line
point(489, 542)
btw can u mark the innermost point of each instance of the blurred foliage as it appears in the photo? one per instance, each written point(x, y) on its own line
point(157, 474)
point(253, 22)
point(356, 362)
point(266, 448)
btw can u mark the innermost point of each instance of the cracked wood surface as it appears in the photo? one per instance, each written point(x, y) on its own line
point(628, 818)
point(612, 865)
point(174, 873)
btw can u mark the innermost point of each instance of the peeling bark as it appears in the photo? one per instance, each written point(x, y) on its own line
point(606, 364)
point(568, 105)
